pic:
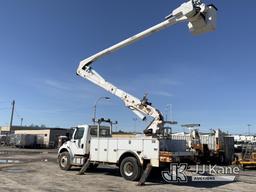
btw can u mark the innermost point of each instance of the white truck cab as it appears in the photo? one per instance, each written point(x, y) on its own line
point(78, 148)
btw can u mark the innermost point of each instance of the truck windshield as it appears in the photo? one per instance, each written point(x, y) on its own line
point(79, 133)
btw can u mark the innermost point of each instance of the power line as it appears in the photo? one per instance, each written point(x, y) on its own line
point(14, 112)
point(17, 114)
point(4, 102)
point(5, 108)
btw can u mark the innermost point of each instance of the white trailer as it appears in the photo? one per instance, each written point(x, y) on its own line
point(132, 154)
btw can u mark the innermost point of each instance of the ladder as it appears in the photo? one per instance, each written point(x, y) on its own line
point(248, 150)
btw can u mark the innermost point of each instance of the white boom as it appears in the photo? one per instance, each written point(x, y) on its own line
point(201, 18)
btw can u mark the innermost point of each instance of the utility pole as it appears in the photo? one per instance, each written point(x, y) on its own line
point(13, 106)
point(135, 124)
point(21, 121)
point(249, 129)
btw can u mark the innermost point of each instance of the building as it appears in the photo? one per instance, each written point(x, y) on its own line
point(244, 138)
point(181, 134)
point(8, 130)
point(45, 136)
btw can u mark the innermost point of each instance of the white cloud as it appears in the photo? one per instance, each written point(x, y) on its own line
point(167, 81)
point(162, 93)
point(56, 85)
point(67, 86)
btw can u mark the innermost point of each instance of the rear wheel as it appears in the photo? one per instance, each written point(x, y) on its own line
point(130, 169)
point(64, 161)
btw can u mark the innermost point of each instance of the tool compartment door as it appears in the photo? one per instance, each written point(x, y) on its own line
point(151, 151)
point(99, 149)
point(94, 148)
point(112, 150)
point(103, 150)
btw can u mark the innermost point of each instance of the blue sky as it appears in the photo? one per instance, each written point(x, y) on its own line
point(208, 79)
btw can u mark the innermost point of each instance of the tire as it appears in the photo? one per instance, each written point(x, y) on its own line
point(130, 169)
point(64, 161)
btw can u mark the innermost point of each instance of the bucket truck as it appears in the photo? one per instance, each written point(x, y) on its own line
point(132, 155)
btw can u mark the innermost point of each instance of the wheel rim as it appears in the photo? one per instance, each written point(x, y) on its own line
point(128, 169)
point(64, 161)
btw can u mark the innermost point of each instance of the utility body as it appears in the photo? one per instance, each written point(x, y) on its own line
point(95, 142)
point(155, 147)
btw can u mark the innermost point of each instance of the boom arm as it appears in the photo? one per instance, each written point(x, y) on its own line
point(201, 19)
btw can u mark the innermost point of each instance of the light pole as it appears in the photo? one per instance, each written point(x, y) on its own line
point(95, 107)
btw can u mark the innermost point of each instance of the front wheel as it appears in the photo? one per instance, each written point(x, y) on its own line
point(64, 161)
point(130, 169)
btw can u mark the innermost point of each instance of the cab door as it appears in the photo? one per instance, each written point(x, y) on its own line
point(78, 141)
